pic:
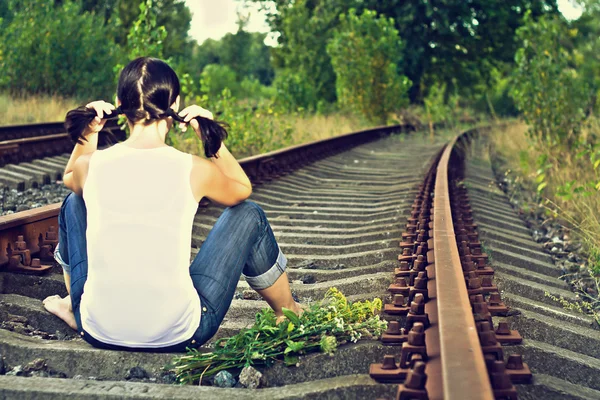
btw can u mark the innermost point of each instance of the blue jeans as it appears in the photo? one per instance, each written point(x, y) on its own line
point(241, 241)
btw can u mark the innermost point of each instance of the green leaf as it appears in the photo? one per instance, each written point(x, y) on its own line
point(294, 346)
point(541, 186)
point(540, 178)
point(596, 164)
point(289, 314)
point(290, 360)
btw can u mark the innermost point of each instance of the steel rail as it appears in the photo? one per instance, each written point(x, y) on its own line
point(463, 370)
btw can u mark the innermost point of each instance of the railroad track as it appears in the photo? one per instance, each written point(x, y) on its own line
point(33, 155)
point(374, 214)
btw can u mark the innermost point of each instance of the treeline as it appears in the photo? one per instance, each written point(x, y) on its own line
point(71, 47)
point(368, 56)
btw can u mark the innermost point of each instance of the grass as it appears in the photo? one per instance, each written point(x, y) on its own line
point(561, 166)
point(32, 109)
point(280, 130)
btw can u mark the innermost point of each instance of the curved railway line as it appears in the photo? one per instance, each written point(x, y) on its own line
point(379, 213)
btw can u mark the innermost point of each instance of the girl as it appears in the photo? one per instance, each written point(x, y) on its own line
point(125, 231)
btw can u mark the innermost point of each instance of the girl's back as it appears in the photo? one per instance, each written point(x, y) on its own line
point(140, 211)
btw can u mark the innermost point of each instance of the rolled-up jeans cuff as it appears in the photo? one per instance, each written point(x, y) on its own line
point(59, 260)
point(268, 278)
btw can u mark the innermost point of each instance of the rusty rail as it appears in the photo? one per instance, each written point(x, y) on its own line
point(444, 296)
point(463, 370)
point(21, 143)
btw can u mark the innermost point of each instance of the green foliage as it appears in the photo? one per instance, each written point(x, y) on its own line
point(582, 307)
point(174, 15)
point(436, 108)
point(323, 327)
point(450, 42)
point(56, 49)
point(304, 28)
point(216, 77)
point(145, 37)
point(365, 53)
point(547, 88)
point(244, 52)
point(294, 91)
point(589, 157)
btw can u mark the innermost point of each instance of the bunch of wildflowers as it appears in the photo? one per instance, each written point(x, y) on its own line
point(322, 327)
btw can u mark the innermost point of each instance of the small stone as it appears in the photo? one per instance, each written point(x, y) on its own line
point(308, 279)
point(17, 318)
point(168, 378)
point(78, 377)
point(251, 378)
point(297, 282)
point(250, 295)
point(137, 373)
point(38, 364)
point(39, 374)
point(54, 374)
point(224, 380)
point(20, 328)
point(60, 335)
point(22, 207)
point(238, 296)
point(16, 371)
point(92, 378)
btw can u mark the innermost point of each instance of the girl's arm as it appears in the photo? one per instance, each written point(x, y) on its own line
point(80, 149)
point(89, 145)
point(222, 180)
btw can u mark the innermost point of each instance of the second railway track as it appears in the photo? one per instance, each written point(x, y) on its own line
point(342, 222)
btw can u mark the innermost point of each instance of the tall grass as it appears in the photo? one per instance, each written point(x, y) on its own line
point(32, 109)
point(283, 129)
point(581, 212)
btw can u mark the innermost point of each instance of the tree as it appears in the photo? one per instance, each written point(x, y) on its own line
point(216, 77)
point(244, 52)
point(587, 50)
point(455, 43)
point(56, 50)
point(304, 28)
point(546, 86)
point(365, 51)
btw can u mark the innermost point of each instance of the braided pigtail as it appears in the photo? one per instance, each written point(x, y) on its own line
point(79, 119)
point(212, 133)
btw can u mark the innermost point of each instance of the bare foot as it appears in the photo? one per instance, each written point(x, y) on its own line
point(61, 308)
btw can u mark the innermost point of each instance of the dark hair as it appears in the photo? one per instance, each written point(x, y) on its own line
point(147, 88)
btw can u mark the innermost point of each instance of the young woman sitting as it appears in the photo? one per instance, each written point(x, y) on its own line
point(126, 230)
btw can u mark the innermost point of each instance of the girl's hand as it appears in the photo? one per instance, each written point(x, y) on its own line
point(102, 108)
point(190, 113)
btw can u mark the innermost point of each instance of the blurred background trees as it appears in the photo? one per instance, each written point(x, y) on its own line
point(368, 57)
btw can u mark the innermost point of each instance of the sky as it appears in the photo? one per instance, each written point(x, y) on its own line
point(213, 19)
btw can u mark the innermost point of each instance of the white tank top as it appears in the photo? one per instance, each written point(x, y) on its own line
point(140, 211)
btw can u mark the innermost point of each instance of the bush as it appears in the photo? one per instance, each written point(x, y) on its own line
point(546, 85)
point(365, 51)
point(58, 50)
point(216, 77)
point(293, 91)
